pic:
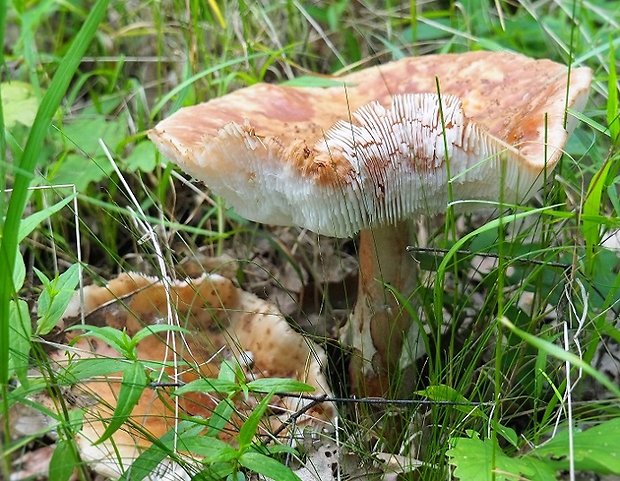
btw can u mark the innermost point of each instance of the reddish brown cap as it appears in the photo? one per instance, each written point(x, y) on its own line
point(372, 151)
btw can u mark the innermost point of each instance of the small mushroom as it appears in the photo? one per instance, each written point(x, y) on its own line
point(225, 322)
point(370, 154)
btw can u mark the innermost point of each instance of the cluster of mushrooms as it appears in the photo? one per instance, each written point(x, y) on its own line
point(388, 143)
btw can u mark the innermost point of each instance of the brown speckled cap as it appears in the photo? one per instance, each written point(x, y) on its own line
point(372, 151)
point(226, 323)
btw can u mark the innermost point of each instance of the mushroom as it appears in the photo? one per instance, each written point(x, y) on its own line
point(226, 322)
point(372, 153)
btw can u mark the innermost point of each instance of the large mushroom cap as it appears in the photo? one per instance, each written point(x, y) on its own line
point(372, 151)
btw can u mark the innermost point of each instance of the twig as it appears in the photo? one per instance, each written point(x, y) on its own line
point(297, 414)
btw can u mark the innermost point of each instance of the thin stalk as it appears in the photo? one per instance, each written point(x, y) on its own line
point(413, 15)
point(501, 267)
point(449, 228)
point(221, 222)
point(3, 159)
point(571, 44)
point(4, 318)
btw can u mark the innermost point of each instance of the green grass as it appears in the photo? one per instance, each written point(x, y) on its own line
point(111, 72)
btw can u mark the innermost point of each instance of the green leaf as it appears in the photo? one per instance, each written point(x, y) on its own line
point(217, 472)
point(441, 392)
point(20, 327)
point(28, 159)
point(238, 476)
point(22, 391)
point(133, 384)
point(76, 420)
point(63, 462)
point(81, 171)
point(250, 426)
point(259, 463)
point(143, 158)
point(334, 12)
point(24, 173)
point(19, 272)
point(212, 450)
point(115, 338)
point(87, 368)
point(149, 459)
point(55, 298)
point(19, 103)
point(220, 417)
point(539, 369)
point(540, 471)
point(507, 433)
point(595, 449)
point(228, 371)
point(32, 221)
point(430, 30)
point(277, 384)
point(281, 449)
point(83, 133)
point(562, 354)
point(473, 461)
point(591, 229)
point(155, 329)
point(208, 385)
point(590, 122)
point(612, 193)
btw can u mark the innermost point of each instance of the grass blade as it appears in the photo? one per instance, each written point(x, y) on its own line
point(31, 222)
point(591, 229)
point(183, 85)
point(4, 302)
point(613, 112)
point(23, 175)
point(445, 263)
point(562, 354)
point(3, 159)
point(20, 339)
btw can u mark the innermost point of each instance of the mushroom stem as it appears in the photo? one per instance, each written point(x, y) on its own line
point(378, 325)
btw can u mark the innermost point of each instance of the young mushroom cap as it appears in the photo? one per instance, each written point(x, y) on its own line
point(340, 159)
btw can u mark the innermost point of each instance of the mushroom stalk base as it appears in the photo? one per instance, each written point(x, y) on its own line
point(378, 325)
